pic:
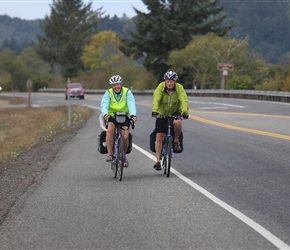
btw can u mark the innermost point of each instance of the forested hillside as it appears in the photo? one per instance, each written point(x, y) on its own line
point(16, 33)
point(265, 23)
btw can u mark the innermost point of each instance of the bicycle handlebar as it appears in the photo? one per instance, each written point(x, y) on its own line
point(175, 117)
point(132, 123)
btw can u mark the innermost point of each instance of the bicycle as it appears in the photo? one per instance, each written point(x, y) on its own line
point(167, 147)
point(119, 153)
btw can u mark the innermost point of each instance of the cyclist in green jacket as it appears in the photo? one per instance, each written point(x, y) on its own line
point(169, 98)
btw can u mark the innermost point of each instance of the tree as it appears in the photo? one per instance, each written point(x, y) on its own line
point(15, 75)
point(11, 44)
point(103, 58)
point(35, 68)
point(67, 29)
point(277, 79)
point(170, 25)
point(203, 53)
point(118, 25)
point(264, 22)
point(102, 53)
point(286, 82)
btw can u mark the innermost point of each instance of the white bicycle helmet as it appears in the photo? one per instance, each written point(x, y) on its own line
point(115, 79)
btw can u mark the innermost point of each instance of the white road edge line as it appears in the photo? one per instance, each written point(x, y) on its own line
point(254, 225)
point(219, 103)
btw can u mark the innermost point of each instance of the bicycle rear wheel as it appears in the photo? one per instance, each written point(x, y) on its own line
point(163, 163)
point(168, 156)
point(114, 164)
point(163, 159)
point(114, 167)
point(120, 160)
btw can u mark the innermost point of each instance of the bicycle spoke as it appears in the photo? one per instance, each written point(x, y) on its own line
point(168, 155)
point(168, 142)
point(163, 161)
point(114, 164)
point(120, 159)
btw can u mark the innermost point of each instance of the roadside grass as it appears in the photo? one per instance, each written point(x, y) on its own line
point(21, 128)
point(7, 100)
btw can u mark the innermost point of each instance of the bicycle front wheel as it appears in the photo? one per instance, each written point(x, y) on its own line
point(168, 156)
point(115, 167)
point(120, 160)
point(163, 158)
point(114, 164)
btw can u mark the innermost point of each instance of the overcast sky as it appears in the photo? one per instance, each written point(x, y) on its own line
point(37, 9)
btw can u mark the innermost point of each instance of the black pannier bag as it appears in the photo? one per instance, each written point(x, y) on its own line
point(153, 139)
point(181, 143)
point(102, 146)
point(129, 149)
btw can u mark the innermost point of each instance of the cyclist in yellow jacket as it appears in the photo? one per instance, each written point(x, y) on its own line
point(117, 99)
point(169, 98)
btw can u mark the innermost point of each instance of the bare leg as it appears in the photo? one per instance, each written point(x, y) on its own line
point(125, 136)
point(110, 137)
point(177, 129)
point(158, 145)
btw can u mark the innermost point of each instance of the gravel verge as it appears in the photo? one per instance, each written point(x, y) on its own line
point(16, 175)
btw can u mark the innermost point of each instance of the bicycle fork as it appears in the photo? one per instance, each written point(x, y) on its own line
point(115, 151)
point(168, 141)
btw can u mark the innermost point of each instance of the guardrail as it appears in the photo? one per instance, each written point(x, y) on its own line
point(274, 96)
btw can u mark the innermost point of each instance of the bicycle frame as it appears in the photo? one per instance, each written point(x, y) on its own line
point(167, 149)
point(117, 164)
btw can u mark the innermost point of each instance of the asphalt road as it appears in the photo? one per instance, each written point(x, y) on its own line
point(229, 188)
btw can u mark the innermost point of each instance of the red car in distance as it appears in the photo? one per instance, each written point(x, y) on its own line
point(74, 90)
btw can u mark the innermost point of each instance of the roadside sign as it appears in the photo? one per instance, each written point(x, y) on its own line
point(225, 66)
point(29, 84)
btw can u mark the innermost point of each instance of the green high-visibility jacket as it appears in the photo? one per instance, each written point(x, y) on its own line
point(168, 104)
point(118, 105)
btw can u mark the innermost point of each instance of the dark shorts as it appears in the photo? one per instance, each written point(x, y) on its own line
point(126, 123)
point(161, 125)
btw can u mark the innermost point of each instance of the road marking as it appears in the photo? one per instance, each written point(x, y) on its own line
point(224, 125)
point(240, 113)
point(93, 107)
point(219, 103)
point(248, 221)
point(212, 108)
point(251, 223)
point(254, 131)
